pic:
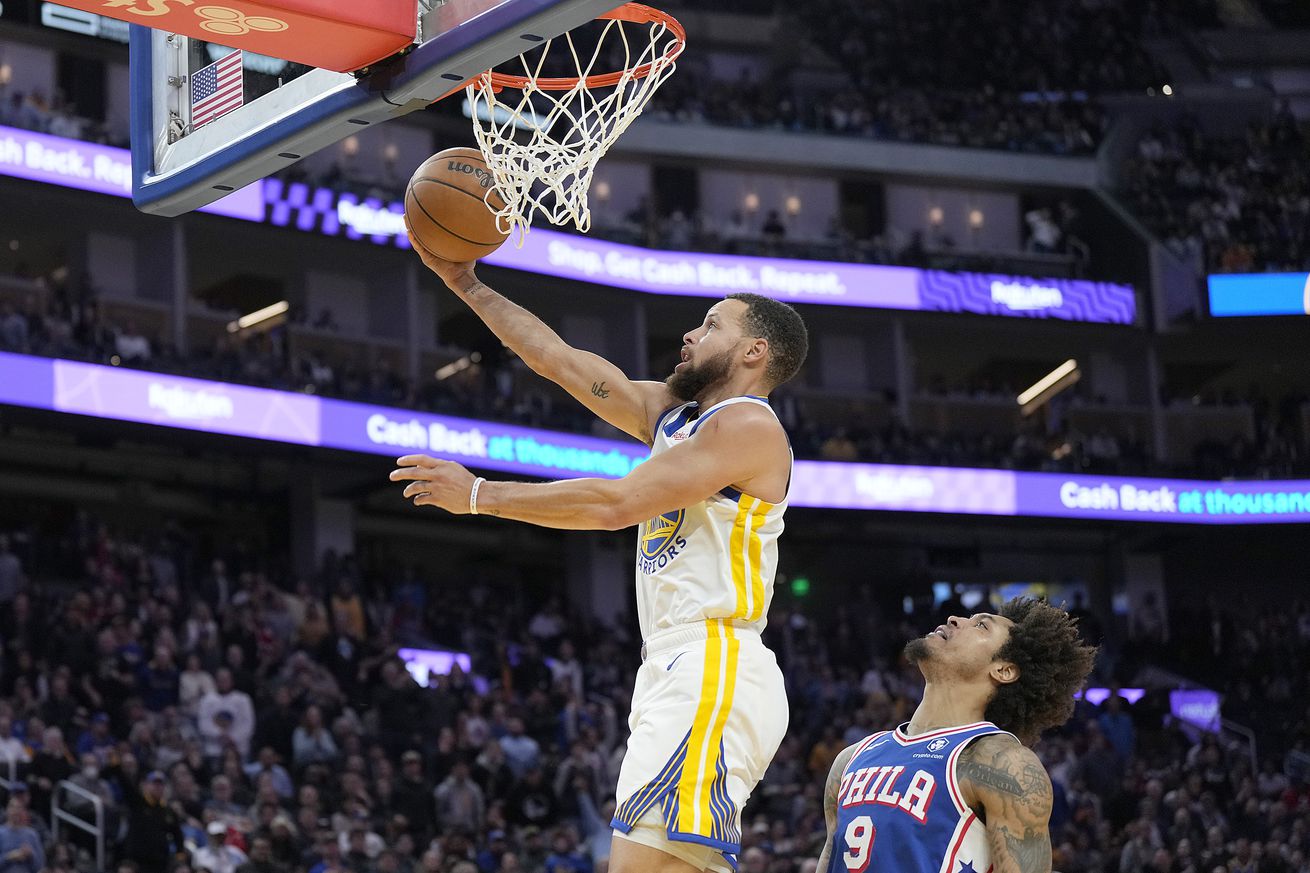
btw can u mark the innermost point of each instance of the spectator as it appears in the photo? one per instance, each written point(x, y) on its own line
point(51, 765)
point(459, 801)
point(216, 855)
point(521, 751)
point(268, 764)
point(225, 715)
point(154, 836)
point(312, 743)
point(12, 580)
point(261, 858)
point(13, 751)
point(20, 848)
point(131, 346)
point(1117, 725)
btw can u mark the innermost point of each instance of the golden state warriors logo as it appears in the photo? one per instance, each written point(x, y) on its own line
point(660, 542)
point(660, 532)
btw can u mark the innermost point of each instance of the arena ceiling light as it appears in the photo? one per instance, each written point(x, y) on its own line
point(458, 366)
point(260, 318)
point(1047, 387)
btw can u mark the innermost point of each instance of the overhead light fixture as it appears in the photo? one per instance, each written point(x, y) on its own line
point(1047, 387)
point(259, 317)
point(456, 367)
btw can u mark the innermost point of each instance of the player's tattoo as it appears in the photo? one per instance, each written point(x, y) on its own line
point(473, 289)
point(1030, 853)
point(989, 777)
point(599, 389)
point(1014, 791)
point(830, 792)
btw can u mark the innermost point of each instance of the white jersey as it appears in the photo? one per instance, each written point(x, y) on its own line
point(712, 560)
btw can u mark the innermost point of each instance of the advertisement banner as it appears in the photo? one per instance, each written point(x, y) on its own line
point(1247, 294)
point(88, 166)
point(694, 274)
point(380, 430)
point(260, 413)
point(193, 404)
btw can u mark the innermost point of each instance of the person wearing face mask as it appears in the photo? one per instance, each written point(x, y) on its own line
point(89, 779)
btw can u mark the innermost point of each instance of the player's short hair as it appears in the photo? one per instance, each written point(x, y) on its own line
point(782, 326)
point(1053, 664)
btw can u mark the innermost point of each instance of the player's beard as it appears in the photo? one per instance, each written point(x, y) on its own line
point(916, 651)
point(692, 381)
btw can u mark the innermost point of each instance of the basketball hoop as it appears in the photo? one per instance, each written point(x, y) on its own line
point(566, 123)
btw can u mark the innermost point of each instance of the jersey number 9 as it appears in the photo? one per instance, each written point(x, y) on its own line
point(860, 834)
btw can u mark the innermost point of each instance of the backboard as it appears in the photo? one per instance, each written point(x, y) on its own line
point(290, 110)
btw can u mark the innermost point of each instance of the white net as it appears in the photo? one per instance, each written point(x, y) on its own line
point(542, 135)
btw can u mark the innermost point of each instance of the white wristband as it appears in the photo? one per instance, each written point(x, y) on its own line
point(473, 495)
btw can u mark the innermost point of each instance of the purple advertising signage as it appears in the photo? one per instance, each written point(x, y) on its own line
point(1198, 707)
point(194, 404)
point(217, 407)
point(380, 430)
point(92, 167)
point(816, 282)
point(692, 274)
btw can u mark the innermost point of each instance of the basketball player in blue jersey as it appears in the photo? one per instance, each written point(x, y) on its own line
point(957, 789)
point(709, 708)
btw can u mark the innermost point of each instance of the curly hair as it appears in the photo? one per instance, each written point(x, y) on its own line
point(782, 326)
point(1053, 664)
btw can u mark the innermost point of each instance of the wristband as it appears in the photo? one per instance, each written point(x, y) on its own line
point(473, 495)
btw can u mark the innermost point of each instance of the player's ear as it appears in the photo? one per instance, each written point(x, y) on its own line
point(1004, 672)
point(757, 350)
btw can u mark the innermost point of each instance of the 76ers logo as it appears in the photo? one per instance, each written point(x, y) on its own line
point(938, 744)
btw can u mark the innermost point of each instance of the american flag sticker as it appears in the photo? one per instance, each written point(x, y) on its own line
point(216, 90)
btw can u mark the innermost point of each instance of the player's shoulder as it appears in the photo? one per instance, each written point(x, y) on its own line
point(1000, 747)
point(744, 418)
point(997, 768)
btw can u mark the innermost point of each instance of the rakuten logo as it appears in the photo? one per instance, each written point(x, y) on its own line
point(181, 404)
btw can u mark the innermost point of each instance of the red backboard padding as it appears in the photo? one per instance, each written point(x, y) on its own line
point(322, 33)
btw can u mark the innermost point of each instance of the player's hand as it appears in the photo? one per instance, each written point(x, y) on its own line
point(457, 275)
point(443, 484)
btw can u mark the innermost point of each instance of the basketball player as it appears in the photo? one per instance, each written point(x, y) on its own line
point(956, 789)
point(709, 709)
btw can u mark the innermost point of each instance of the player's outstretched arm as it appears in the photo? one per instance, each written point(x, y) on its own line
point(594, 382)
point(1010, 783)
point(739, 445)
point(830, 791)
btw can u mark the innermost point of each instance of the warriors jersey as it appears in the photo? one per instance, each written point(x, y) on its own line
point(711, 560)
point(900, 810)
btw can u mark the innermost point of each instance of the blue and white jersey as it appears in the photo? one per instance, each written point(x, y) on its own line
point(900, 810)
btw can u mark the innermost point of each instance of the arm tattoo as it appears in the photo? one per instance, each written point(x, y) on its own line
point(599, 389)
point(1012, 787)
point(989, 777)
point(1030, 853)
point(830, 790)
point(473, 289)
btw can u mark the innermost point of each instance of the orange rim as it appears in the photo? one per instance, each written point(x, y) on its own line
point(635, 13)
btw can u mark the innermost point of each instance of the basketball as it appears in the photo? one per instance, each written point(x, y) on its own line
point(449, 208)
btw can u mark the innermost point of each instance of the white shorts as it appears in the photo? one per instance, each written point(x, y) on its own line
point(708, 713)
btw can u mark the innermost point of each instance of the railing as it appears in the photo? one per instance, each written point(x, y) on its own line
point(1244, 733)
point(59, 814)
